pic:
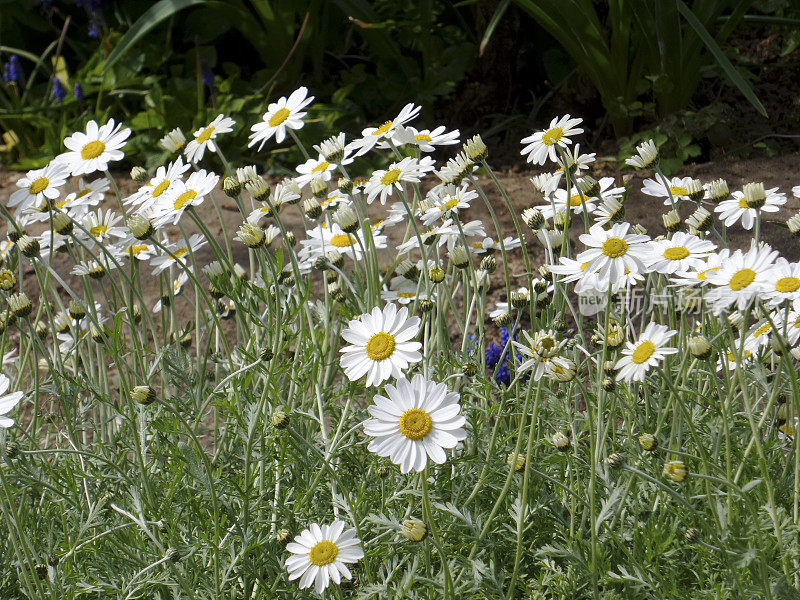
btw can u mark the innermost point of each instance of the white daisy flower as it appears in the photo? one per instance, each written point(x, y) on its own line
point(93, 150)
point(133, 248)
point(286, 113)
point(418, 420)
point(677, 186)
point(403, 291)
point(490, 246)
point(183, 195)
point(7, 401)
point(543, 144)
point(546, 183)
point(38, 186)
point(447, 201)
point(322, 240)
point(796, 191)
point(542, 354)
point(783, 282)
point(205, 136)
point(173, 141)
point(729, 359)
point(177, 287)
point(372, 135)
point(742, 277)
point(439, 235)
point(787, 321)
point(426, 140)
point(646, 155)
point(88, 195)
point(577, 202)
point(381, 345)
point(735, 209)
point(320, 554)
point(680, 253)
point(698, 276)
point(160, 185)
point(181, 252)
point(318, 167)
point(573, 161)
point(102, 227)
point(646, 352)
point(408, 170)
point(612, 252)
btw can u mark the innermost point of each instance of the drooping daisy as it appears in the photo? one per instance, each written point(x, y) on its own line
point(680, 253)
point(677, 186)
point(741, 278)
point(612, 252)
point(447, 201)
point(737, 208)
point(543, 144)
point(286, 113)
point(407, 170)
point(182, 195)
point(646, 352)
point(541, 353)
point(92, 151)
point(372, 135)
point(205, 136)
point(381, 345)
point(426, 140)
point(177, 286)
point(783, 282)
point(160, 185)
point(179, 253)
point(646, 155)
point(417, 420)
point(455, 170)
point(321, 553)
point(38, 186)
point(7, 402)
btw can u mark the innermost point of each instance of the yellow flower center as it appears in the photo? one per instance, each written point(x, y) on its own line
point(704, 274)
point(205, 135)
point(180, 252)
point(422, 137)
point(342, 240)
point(615, 247)
point(415, 424)
point(643, 352)
point(762, 330)
point(676, 253)
point(584, 265)
point(279, 117)
point(323, 553)
point(677, 190)
point(732, 357)
point(575, 200)
point(383, 128)
point(137, 249)
point(451, 204)
point(92, 150)
point(380, 346)
point(323, 166)
point(184, 198)
point(83, 192)
point(98, 230)
point(787, 284)
point(551, 136)
point(391, 177)
point(741, 279)
point(38, 186)
point(161, 188)
point(405, 294)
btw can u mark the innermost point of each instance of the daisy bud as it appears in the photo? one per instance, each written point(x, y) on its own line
point(414, 530)
point(459, 257)
point(76, 310)
point(469, 369)
point(695, 190)
point(560, 442)
point(546, 273)
point(589, 186)
point(489, 264)
point(62, 322)
point(173, 555)
point(648, 442)
point(141, 227)
point(700, 220)
point(717, 191)
point(736, 319)
point(185, 339)
point(62, 223)
point(321, 264)
point(346, 218)
point(345, 185)
point(675, 470)
point(283, 536)
point(319, 187)
point(231, 187)
point(28, 246)
point(475, 149)
point(794, 225)
point(549, 237)
point(258, 188)
point(41, 330)
point(781, 413)
point(425, 305)
point(214, 291)
point(139, 175)
point(14, 233)
point(335, 258)
point(214, 271)
point(503, 319)
point(7, 279)
point(609, 367)
point(692, 535)
point(41, 571)
point(12, 450)
point(279, 419)
point(616, 460)
point(613, 208)
point(332, 149)
point(646, 155)
point(700, 347)
point(251, 235)
point(173, 141)
point(19, 304)
point(516, 461)
point(290, 237)
point(754, 195)
point(566, 372)
point(335, 291)
point(246, 174)
point(671, 221)
point(143, 394)
point(384, 471)
point(560, 220)
point(408, 269)
point(608, 384)
point(436, 274)
point(533, 218)
point(638, 229)
point(520, 299)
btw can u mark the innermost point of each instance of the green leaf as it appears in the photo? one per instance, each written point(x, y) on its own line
point(722, 60)
point(155, 14)
point(493, 23)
